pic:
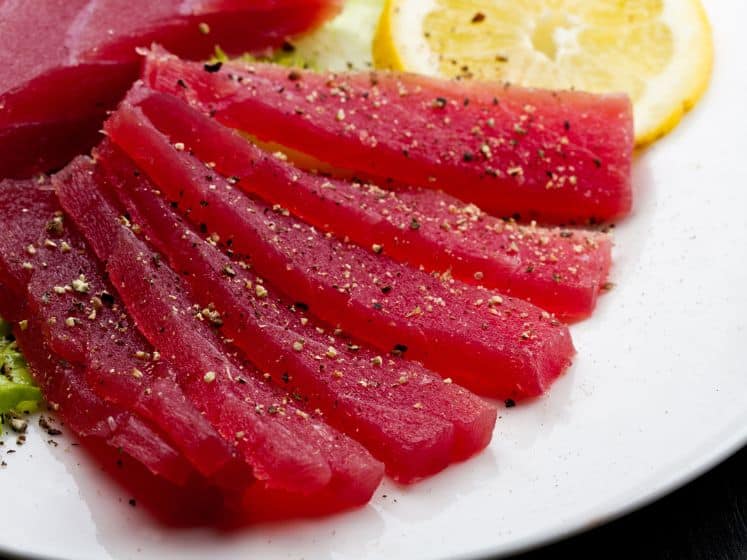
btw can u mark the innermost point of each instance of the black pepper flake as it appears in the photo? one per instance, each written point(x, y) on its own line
point(479, 17)
point(414, 224)
point(288, 47)
point(214, 67)
point(181, 83)
point(44, 424)
point(566, 234)
point(566, 125)
point(377, 306)
point(597, 163)
point(468, 156)
point(294, 75)
point(285, 377)
point(132, 502)
point(107, 299)
point(399, 349)
point(440, 102)
point(301, 306)
point(386, 289)
point(510, 403)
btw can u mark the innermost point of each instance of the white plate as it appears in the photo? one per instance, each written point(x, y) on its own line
point(657, 395)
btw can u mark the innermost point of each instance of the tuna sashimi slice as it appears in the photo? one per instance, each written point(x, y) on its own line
point(560, 270)
point(494, 345)
point(298, 460)
point(66, 61)
point(559, 156)
point(64, 384)
point(83, 323)
point(29, 148)
point(302, 465)
point(404, 414)
point(85, 414)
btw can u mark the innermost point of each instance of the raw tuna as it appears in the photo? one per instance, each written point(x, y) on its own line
point(82, 323)
point(86, 415)
point(29, 148)
point(64, 385)
point(559, 156)
point(302, 465)
point(494, 345)
point(131, 452)
point(405, 415)
point(298, 460)
point(64, 64)
point(560, 270)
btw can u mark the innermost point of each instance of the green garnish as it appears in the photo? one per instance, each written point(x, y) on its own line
point(17, 390)
point(341, 44)
point(284, 57)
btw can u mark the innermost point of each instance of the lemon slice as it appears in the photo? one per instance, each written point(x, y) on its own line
point(660, 52)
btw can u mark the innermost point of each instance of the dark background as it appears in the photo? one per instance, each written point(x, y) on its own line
point(706, 520)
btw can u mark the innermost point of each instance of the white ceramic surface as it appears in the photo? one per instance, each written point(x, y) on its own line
point(657, 395)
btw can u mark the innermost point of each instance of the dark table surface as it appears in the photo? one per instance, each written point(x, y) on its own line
point(705, 520)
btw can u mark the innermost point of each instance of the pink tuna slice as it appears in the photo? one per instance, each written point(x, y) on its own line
point(406, 416)
point(302, 466)
point(83, 323)
point(131, 451)
point(29, 148)
point(494, 345)
point(70, 62)
point(64, 385)
point(560, 270)
point(300, 463)
point(556, 156)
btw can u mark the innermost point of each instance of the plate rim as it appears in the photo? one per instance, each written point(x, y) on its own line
point(589, 520)
point(618, 508)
